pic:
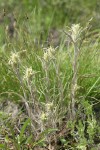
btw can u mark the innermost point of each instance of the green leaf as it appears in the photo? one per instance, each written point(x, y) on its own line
point(47, 131)
point(63, 141)
point(26, 123)
point(2, 146)
point(29, 139)
point(40, 142)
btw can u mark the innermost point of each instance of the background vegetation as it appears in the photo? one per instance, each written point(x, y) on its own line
point(50, 74)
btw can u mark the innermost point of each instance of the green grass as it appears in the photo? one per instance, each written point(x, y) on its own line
point(38, 91)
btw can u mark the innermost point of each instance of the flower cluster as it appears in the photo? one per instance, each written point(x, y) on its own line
point(43, 116)
point(48, 110)
point(75, 32)
point(49, 106)
point(28, 73)
point(14, 59)
point(49, 53)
